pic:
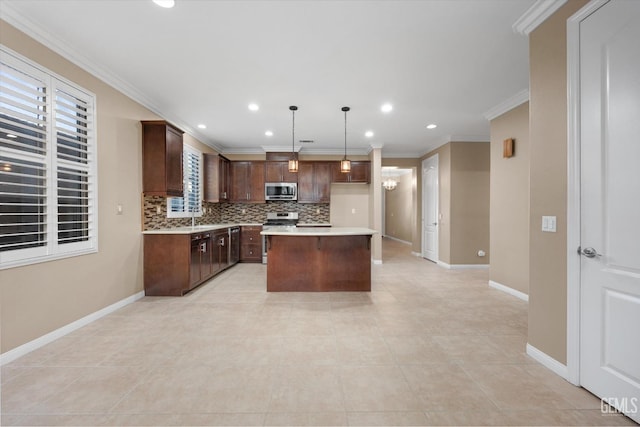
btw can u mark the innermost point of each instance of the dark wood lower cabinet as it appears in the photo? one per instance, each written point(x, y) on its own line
point(174, 264)
point(250, 244)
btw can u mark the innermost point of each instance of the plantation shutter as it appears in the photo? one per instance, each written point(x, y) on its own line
point(24, 128)
point(74, 176)
point(191, 203)
point(48, 189)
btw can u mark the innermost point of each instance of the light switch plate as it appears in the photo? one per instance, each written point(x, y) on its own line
point(549, 224)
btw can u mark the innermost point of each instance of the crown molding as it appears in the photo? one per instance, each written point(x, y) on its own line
point(278, 149)
point(9, 14)
point(401, 155)
point(507, 105)
point(536, 15)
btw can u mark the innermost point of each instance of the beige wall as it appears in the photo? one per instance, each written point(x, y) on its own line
point(548, 136)
point(347, 198)
point(463, 172)
point(509, 196)
point(40, 298)
point(470, 164)
point(399, 211)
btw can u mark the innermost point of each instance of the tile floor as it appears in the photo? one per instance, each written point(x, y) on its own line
point(427, 346)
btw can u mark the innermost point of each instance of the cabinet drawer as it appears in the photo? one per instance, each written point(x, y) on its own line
point(251, 253)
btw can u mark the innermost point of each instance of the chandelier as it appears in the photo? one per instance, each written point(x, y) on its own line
point(389, 184)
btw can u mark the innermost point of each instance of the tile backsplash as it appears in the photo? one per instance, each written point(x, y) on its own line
point(217, 213)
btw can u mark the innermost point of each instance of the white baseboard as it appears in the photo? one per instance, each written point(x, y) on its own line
point(509, 290)
point(548, 361)
point(386, 236)
point(461, 266)
point(20, 351)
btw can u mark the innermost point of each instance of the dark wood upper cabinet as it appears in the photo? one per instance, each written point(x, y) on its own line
point(161, 159)
point(314, 182)
point(360, 172)
point(247, 182)
point(216, 178)
point(278, 171)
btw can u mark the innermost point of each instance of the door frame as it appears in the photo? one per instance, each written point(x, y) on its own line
point(573, 188)
point(433, 159)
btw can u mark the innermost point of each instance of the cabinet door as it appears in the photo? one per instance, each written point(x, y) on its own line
point(336, 175)
point(238, 187)
point(256, 182)
point(273, 172)
point(194, 265)
point(360, 172)
point(211, 178)
point(206, 258)
point(225, 179)
point(161, 159)
point(223, 250)
point(174, 161)
point(306, 189)
point(322, 176)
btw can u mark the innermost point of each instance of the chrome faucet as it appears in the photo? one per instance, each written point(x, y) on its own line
point(193, 217)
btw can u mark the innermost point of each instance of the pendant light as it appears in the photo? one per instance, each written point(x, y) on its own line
point(293, 163)
point(345, 164)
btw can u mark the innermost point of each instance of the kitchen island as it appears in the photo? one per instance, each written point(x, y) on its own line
point(311, 259)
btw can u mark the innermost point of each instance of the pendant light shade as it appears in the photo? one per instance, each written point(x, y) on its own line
point(293, 162)
point(345, 164)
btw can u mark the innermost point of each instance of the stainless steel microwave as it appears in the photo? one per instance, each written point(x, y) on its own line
point(281, 191)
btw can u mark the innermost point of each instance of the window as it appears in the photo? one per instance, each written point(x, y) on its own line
point(191, 203)
point(47, 165)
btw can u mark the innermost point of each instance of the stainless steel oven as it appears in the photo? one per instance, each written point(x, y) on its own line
point(277, 219)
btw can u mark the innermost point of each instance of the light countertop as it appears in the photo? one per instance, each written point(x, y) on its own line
point(318, 231)
point(198, 228)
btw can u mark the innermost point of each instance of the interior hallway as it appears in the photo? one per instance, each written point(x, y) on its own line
point(427, 346)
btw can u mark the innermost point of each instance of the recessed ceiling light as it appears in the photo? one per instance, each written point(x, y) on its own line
point(268, 133)
point(165, 3)
point(254, 107)
point(386, 108)
point(369, 133)
point(201, 126)
point(432, 126)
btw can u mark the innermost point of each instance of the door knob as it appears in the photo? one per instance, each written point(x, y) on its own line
point(434, 223)
point(589, 252)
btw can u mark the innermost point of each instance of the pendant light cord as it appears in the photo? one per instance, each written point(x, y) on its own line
point(345, 109)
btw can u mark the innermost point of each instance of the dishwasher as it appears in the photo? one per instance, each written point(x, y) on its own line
point(234, 245)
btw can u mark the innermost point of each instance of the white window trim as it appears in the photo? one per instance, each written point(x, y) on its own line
point(198, 213)
point(53, 251)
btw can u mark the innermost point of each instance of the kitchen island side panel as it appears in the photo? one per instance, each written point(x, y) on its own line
point(318, 263)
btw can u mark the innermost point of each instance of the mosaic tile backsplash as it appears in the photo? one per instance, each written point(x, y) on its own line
point(219, 213)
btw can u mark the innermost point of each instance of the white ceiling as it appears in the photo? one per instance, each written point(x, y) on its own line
point(437, 61)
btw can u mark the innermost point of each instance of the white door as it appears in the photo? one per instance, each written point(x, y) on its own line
point(610, 204)
point(430, 208)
